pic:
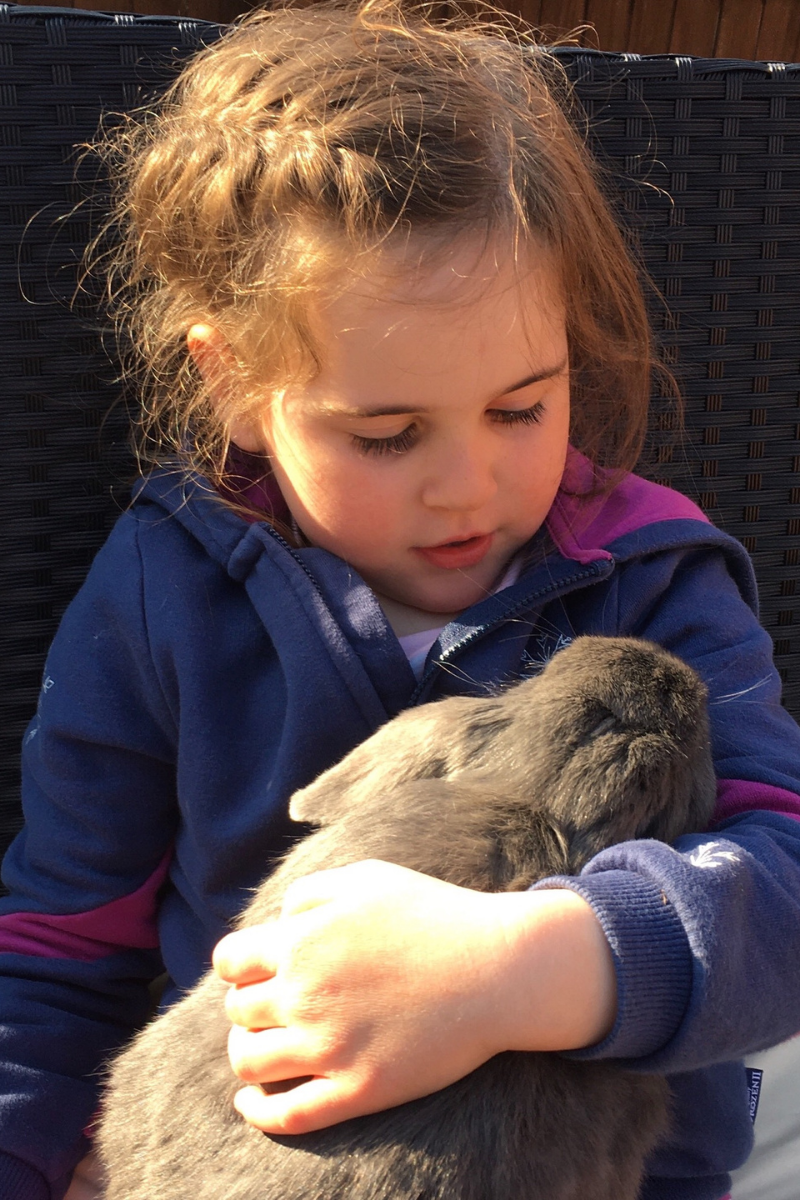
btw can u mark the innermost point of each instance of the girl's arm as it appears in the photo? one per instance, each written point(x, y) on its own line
point(78, 937)
point(731, 985)
point(704, 937)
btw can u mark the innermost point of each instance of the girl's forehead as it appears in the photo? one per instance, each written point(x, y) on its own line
point(440, 334)
point(455, 269)
point(470, 277)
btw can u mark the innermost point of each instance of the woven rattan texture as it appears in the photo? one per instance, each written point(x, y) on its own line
point(65, 469)
point(706, 155)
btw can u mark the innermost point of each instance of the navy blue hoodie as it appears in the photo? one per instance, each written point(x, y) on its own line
point(206, 670)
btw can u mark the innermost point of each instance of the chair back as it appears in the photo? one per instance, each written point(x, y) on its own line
point(705, 158)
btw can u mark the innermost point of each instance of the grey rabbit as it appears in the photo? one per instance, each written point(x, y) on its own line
point(609, 742)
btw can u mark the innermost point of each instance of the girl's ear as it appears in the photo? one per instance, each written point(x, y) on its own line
point(217, 364)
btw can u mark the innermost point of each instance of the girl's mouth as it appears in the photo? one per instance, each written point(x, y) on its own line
point(467, 552)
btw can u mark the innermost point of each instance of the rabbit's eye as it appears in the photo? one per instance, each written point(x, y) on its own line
point(606, 721)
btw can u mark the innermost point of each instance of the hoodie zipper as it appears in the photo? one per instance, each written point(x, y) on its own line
point(594, 571)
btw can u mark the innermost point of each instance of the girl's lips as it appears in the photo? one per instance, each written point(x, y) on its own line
point(456, 555)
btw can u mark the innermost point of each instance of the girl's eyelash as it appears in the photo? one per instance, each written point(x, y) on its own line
point(519, 416)
point(389, 445)
point(401, 442)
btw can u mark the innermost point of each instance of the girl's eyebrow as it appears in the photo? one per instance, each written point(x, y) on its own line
point(402, 410)
point(538, 377)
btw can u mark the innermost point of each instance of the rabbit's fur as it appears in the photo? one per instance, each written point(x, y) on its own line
point(609, 742)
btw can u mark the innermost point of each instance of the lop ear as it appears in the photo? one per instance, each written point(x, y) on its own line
point(432, 741)
point(396, 751)
point(326, 798)
point(216, 362)
point(302, 808)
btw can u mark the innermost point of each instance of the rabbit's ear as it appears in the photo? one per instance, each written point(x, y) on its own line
point(298, 810)
point(325, 799)
point(408, 747)
point(427, 742)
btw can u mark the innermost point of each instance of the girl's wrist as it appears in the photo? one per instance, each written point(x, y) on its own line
point(559, 980)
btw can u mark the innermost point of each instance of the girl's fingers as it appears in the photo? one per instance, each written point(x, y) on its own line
point(268, 1055)
point(252, 954)
point(313, 1104)
point(255, 1005)
point(318, 888)
point(249, 955)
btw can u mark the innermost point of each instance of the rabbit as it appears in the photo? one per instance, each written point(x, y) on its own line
point(609, 742)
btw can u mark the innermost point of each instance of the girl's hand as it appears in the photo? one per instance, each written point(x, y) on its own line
point(88, 1180)
point(378, 985)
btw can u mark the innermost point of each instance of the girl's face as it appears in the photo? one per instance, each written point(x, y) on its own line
point(430, 446)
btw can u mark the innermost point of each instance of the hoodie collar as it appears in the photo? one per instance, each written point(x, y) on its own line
point(583, 526)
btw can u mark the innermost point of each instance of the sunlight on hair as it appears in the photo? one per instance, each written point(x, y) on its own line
point(307, 143)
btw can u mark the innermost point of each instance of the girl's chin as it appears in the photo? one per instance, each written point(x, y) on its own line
point(441, 603)
point(441, 593)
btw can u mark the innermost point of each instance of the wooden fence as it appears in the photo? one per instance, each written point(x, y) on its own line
point(755, 29)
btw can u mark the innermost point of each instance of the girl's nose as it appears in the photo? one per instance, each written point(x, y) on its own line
point(459, 479)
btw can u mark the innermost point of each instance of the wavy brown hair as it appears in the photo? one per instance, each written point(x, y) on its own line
point(290, 152)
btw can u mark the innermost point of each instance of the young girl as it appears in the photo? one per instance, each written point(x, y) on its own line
point(397, 371)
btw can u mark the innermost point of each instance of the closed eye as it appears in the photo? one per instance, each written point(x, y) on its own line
point(396, 444)
point(604, 725)
point(518, 416)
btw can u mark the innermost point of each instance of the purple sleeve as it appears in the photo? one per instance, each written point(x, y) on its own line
point(706, 934)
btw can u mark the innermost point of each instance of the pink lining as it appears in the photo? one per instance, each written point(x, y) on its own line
point(736, 796)
point(582, 527)
point(250, 482)
point(127, 923)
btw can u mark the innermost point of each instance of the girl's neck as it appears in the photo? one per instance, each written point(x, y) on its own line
point(405, 620)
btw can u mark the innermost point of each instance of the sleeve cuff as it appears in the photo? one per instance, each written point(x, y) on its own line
point(18, 1181)
point(652, 960)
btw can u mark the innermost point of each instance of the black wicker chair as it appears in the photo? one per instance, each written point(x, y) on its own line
point(706, 158)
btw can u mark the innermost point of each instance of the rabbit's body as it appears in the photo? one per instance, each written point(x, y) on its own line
point(610, 742)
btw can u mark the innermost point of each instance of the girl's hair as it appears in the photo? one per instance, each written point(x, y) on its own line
point(290, 152)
